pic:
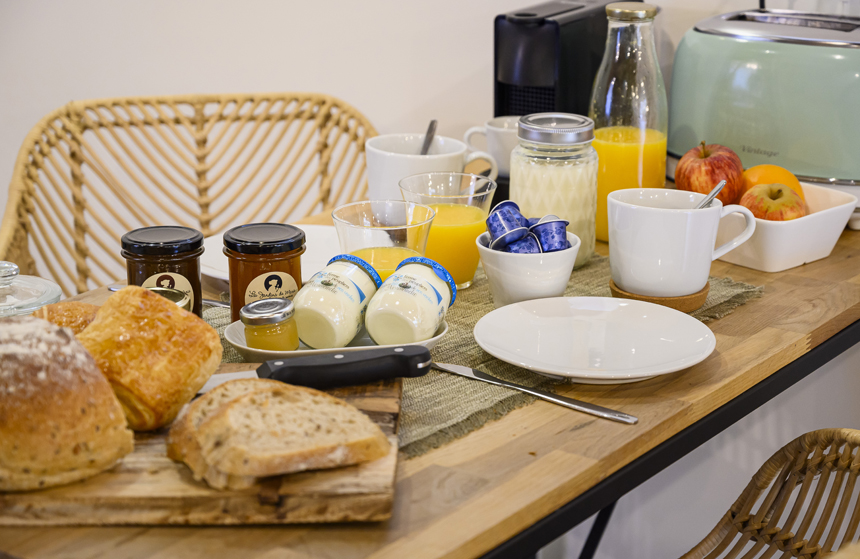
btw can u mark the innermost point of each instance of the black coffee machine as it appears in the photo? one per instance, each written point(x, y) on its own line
point(546, 57)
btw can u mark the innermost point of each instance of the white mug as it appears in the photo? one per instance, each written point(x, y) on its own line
point(395, 156)
point(660, 246)
point(501, 133)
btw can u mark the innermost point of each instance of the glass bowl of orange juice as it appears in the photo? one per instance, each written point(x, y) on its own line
point(383, 233)
point(461, 202)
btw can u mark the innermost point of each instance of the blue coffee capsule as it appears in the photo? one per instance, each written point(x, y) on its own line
point(504, 226)
point(550, 217)
point(552, 235)
point(527, 245)
point(533, 221)
point(505, 204)
point(511, 236)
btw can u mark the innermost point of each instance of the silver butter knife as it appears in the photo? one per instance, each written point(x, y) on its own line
point(583, 407)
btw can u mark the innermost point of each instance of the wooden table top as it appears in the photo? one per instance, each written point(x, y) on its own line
point(469, 496)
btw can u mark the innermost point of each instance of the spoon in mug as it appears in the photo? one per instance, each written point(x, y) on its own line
point(428, 137)
point(711, 195)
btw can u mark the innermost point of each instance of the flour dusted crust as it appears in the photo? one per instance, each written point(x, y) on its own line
point(284, 429)
point(59, 419)
point(73, 315)
point(155, 355)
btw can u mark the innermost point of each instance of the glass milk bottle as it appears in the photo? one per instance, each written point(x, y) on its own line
point(554, 171)
point(628, 106)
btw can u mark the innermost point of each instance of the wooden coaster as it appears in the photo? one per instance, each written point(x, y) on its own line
point(687, 303)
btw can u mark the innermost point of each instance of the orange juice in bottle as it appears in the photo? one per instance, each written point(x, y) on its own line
point(628, 158)
point(629, 108)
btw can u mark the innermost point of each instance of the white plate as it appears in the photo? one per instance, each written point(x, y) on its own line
point(321, 241)
point(235, 335)
point(595, 340)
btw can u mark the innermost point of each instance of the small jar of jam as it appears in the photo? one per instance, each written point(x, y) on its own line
point(269, 325)
point(166, 256)
point(265, 262)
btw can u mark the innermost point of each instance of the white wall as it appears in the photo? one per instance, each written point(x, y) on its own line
point(401, 62)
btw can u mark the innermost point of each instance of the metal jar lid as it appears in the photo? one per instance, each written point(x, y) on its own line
point(631, 11)
point(556, 128)
point(266, 311)
point(182, 300)
point(264, 238)
point(162, 240)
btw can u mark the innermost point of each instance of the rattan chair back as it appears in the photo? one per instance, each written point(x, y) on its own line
point(92, 170)
point(803, 502)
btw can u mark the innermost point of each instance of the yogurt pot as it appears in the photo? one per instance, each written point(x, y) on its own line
point(330, 307)
point(411, 304)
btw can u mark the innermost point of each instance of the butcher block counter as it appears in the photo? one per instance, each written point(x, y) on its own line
point(494, 491)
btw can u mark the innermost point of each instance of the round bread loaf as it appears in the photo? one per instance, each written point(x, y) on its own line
point(59, 419)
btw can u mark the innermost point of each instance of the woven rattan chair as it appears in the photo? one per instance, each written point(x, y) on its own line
point(92, 170)
point(803, 502)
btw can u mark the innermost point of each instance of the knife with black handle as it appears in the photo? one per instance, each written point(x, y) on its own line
point(333, 370)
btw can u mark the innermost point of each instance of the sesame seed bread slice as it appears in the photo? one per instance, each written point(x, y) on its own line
point(285, 429)
point(182, 443)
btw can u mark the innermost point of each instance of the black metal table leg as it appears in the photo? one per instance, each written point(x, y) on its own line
point(596, 532)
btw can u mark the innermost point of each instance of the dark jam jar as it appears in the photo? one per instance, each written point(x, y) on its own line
point(265, 262)
point(166, 256)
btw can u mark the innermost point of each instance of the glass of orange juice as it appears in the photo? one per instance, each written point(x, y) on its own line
point(383, 232)
point(461, 202)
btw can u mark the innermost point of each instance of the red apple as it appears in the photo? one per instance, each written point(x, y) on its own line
point(774, 202)
point(704, 166)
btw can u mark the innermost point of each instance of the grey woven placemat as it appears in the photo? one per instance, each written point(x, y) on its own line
point(438, 407)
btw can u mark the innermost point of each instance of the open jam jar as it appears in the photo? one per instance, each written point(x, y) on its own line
point(265, 262)
point(166, 256)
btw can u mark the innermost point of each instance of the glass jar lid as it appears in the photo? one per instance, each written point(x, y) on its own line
point(162, 240)
point(631, 11)
point(24, 294)
point(266, 311)
point(556, 128)
point(264, 238)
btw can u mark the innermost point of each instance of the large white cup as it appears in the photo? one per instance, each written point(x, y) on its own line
point(395, 156)
point(501, 133)
point(660, 246)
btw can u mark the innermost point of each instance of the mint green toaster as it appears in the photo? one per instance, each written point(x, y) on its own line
point(775, 86)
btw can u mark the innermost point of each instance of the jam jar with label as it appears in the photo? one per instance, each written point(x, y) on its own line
point(265, 262)
point(166, 256)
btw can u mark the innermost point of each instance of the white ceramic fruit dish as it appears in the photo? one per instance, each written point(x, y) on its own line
point(779, 245)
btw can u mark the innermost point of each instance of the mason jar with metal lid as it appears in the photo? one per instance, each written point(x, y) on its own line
point(166, 256)
point(554, 171)
point(270, 325)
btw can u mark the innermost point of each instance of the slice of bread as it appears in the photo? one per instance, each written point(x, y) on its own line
point(284, 429)
point(182, 443)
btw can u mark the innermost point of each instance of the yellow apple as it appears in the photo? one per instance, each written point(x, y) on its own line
point(774, 202)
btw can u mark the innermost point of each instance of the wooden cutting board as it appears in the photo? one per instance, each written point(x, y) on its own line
point(146, 487)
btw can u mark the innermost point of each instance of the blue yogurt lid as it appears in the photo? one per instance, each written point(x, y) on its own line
point(436, 267)
point(361, 264)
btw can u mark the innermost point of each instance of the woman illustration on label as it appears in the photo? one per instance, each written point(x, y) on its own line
point(166, 281)
point(273, 281)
